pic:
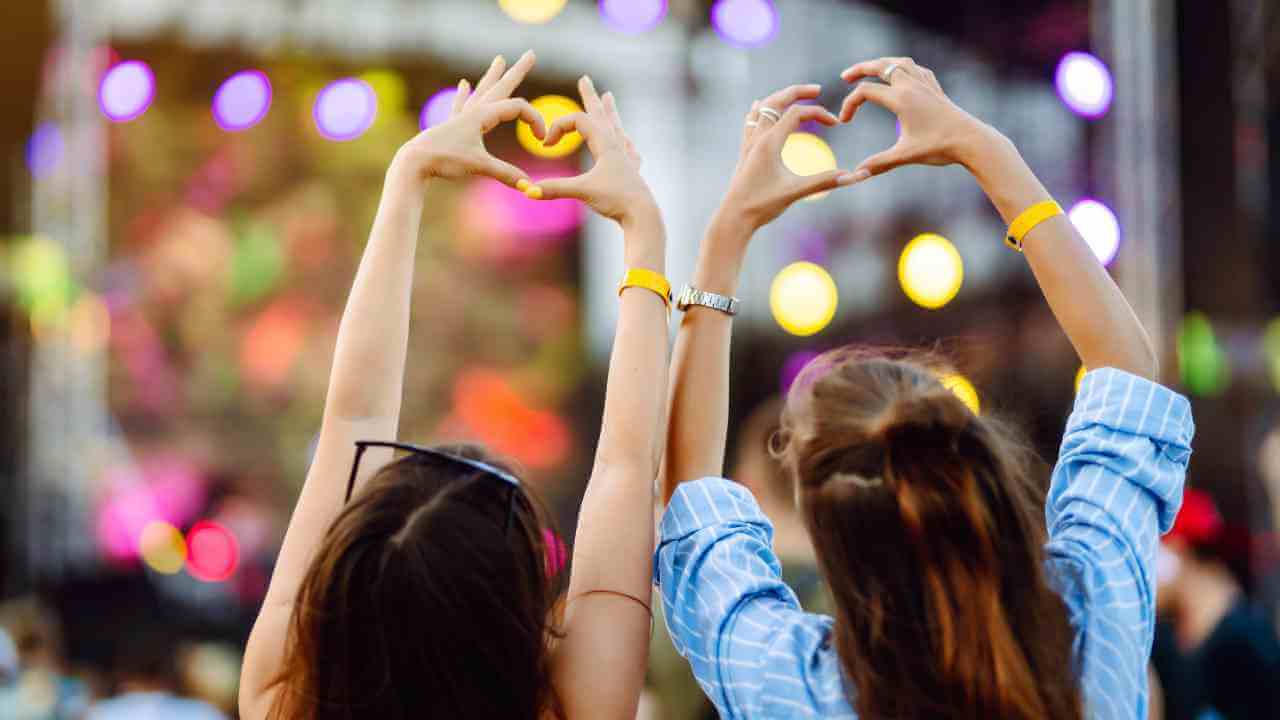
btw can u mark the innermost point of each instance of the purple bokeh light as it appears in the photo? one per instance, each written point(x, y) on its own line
point(127, 90)
point(1098, 225)
point(633, 16)
point(745, 23)
point(44, 149)
point(1084, 84)
point(437, 108)
point(345, 109)
point(242, 101)
point(793, 366)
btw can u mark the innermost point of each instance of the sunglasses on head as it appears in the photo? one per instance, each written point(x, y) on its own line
point(457, 462)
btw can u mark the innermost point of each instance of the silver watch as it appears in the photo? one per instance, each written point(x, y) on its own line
point(690, 295)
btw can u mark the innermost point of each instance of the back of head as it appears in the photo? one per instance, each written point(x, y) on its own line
point(419, 604)
point(930, 531)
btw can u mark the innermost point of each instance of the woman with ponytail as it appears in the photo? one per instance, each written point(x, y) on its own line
point(960, 590)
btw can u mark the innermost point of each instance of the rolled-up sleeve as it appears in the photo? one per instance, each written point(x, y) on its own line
point(754, 651)
point(1117, 485)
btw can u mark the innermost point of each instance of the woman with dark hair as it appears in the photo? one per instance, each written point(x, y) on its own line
point(420, 587)
point(953, 597)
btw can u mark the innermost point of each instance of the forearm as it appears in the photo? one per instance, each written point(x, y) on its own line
point(615, 538)
point(698, 414)
point(1087, 303)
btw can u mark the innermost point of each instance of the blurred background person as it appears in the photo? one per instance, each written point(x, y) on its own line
point(147, 679)
point(1216, 652)
point(43, 688)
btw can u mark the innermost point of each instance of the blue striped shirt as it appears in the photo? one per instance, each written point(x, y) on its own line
point(1116, 487)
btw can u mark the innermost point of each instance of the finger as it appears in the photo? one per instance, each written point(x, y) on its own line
point(880, 94)
point(504, 172)
point(511, 80)
point(886, 160)
point(510, 109)
point(752, 121)
point(788, 96)
point(874, 68)
point(825, 182)
point(460, 97)
point(929, 77)
point(577, 187)
point(590, 99)
point(581, 122)
point(490, 77)
point(798, 114)
point(611, 109)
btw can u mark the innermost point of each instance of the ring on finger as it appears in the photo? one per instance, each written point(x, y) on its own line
point(768, 112)
point(752, 124)
point(887, 75)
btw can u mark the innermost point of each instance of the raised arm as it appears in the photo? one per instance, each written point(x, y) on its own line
point(367, 378)
point(761, 189)
point(1083, 297)
point(600, 663)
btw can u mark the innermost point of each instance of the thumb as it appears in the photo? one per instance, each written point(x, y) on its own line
point(886, 160)
point(503, 171)
point(577, 187)
point(807, 185)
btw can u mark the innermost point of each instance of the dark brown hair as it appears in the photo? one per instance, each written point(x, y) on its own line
point(929, 527)
point(418, 605)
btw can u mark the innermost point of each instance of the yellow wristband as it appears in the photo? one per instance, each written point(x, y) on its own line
point(1030, 218)
point(649, 280)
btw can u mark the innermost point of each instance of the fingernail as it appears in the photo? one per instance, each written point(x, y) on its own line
point(527, 53)
point(499, 59)
point(533, 192)
point(462, 84)
point(523, 185)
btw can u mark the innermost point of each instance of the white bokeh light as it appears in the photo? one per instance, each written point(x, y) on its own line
point(1084, 84)
point(1099, 227)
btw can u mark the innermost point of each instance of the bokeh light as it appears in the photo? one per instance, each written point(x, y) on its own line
point(242, 101)
point(499, 222)
point(126, 91)
point(931, 270)
point(745, 23)
point(491, 408)
point(257, 264)
point(552, 108)
point(1084, 84)
point(795, 364)
point(212, 552)
point(162, 547)
point(276, 337)
point(803, 298)
point(807, 154)
point(963, 389)
point(40, 273)
point(633, 16)
point(1202, 363)
point(1099, 227)
point(345, 109)
point(437, 108)
point(45, 149)
point(89, 323)
point(1271, 350)
point(532, 12)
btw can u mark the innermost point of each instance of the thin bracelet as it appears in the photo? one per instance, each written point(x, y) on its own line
point(628, 596)
point(1028, 220)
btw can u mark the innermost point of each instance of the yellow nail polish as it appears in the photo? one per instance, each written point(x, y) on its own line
point(522, 185)
point(533, 192)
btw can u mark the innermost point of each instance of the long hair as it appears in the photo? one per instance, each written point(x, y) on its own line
point(417, 604)
point(929, 528)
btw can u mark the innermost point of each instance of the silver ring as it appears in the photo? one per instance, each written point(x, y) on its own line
point(752, 123)
point(887, 75)
point(768, 112)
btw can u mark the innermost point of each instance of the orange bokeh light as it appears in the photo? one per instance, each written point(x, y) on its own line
point(487, 405)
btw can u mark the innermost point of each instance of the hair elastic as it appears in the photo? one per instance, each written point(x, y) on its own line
point(628, 596)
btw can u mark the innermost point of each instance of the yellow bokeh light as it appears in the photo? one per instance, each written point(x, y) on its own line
point(963, 389)
point(532, 12)
point(162, 547)
point(392, 93)
point(930, 270)
point(552, 108)
point(803, 298)
point(807, 154)
point(1080, 376)
point(89, 323)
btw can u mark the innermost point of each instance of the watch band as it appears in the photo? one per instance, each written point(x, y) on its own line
point(690, 295)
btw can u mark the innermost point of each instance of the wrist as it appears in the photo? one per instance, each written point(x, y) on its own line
point(408, 171)
point(979, 145)
point(644, 239)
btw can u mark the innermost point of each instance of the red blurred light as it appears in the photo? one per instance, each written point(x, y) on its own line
point(212, 552)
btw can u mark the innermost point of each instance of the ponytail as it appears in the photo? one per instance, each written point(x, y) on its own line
point(930, 533)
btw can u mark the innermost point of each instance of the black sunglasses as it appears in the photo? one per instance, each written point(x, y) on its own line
point(509, 481)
